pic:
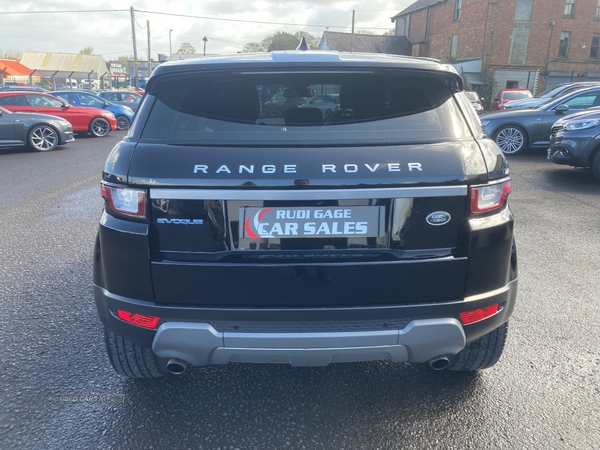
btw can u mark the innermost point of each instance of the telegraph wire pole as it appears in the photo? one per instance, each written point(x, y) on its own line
point(149, 52)
point(135, 58)
point(352, 38)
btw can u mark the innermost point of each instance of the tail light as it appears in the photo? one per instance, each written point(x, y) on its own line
point(476, 315)
point(489, 197)
point(140, 320)
point(126, 201)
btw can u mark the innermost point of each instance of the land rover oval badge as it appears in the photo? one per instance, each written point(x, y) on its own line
point(438, 218)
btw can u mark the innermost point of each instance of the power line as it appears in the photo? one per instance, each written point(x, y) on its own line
point(187, 16)
point(249, 21)
point(62, 11)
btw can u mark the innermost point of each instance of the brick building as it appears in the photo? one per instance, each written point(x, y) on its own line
point(507, 43)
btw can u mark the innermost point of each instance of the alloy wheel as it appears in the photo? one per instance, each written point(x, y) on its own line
point(510, 140)
point(43, 138)
point(122, 123)
point(99, 127)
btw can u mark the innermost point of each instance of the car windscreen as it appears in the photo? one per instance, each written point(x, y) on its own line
point(472, 96)
point(251, 107)
point(513, 95)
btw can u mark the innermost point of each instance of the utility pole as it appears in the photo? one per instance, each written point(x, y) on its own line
point(352, 37)
point(135, 58)
point(149, 52)
point(205, 41)
point(170, 49)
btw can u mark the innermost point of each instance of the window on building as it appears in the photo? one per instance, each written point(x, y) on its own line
point(570, 8)
point(563, 47)
point(595, 50)
point(523, 10)
point(598, 11)
point(457, 9)
point(453, 45)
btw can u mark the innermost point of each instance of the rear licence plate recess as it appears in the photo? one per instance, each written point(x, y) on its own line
point(309, 221)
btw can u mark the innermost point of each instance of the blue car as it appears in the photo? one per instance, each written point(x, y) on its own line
point(124, 114)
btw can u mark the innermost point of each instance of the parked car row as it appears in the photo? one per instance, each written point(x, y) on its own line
point(565, 120)
point(33, 117)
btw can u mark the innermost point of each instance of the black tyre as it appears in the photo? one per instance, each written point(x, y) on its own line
point(99, 127)
point(511, 139)
point(132, 360)
point(43, 138)
point(596, 165)
point(122, 123)
point(482, 353)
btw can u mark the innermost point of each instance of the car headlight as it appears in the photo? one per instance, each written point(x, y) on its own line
point(128, 109)
point(576, 125)
point(485, 122)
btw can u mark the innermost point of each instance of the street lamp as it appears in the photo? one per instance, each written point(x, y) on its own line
point(170, 50)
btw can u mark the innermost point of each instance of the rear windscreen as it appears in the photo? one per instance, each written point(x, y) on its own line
point(253, 107)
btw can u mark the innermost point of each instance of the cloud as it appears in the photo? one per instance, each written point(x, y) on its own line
point(109, 33)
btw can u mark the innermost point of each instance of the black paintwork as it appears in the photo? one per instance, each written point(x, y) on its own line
point(206, 273)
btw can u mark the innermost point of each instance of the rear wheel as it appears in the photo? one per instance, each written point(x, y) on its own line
point(99, 127)
point(596, 165)
point(43, 138)
point(132, 360)
point(482, 353)
point(511, 139)
point(122, 123)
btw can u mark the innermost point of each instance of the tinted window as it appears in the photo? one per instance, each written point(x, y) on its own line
point(582, 101)
point(513, 95)
point(372, 107)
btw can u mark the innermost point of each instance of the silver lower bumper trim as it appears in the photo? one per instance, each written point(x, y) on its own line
point(199, 344)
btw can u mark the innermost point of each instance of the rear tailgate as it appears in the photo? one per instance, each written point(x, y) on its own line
point(364, 226)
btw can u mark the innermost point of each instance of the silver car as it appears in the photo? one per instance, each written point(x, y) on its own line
point(516, 129)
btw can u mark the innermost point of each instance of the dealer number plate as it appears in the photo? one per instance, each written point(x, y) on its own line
point(329, 221)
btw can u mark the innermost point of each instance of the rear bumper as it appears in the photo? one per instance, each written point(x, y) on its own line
point(200, 344)
point(306, 336)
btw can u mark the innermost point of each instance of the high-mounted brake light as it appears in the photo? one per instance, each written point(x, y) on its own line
point(476, 315)
point(490, 197)
point(129, 202)
point(138, 319)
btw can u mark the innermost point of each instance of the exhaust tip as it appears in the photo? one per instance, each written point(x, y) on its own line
point(439, 363)
point(176, 366)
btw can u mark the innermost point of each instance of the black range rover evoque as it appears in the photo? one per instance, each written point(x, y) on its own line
point(380, 231)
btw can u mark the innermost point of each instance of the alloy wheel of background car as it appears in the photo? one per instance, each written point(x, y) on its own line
point(43, 138)
point(99, 127)
point(510, 139)
point(122, 123)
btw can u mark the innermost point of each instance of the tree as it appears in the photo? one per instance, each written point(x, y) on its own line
point(390, 33)
point(312, 40)
point(86, 51)
point(252, 47)
point(186, 49)
point(125, 58)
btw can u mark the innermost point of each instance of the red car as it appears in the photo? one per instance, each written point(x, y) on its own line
point(85, 120)
point(508, 95)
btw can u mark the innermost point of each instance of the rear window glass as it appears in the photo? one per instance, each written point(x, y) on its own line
point(514, 95)
point(303, 107)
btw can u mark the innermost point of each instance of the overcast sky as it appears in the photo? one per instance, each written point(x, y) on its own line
point(24, 26)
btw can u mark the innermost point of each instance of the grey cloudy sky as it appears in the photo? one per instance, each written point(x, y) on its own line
point(109, 33)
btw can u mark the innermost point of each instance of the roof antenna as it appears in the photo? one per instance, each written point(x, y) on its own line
point(303, 45)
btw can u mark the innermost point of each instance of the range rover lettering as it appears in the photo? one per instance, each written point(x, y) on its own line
point(379, 231)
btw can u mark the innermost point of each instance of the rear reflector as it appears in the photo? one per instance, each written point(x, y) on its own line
point(489, 197)
point(129, 202)
point(138, 319)
point(476, 315)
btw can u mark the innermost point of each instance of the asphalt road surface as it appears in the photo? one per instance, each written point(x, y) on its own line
point(58, 391)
